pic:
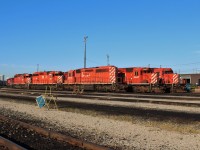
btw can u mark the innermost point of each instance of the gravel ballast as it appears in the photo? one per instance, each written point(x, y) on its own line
point(108, 132)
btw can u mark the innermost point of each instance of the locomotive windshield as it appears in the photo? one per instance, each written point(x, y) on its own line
point(147, 71)
point(168, 72)
point(58, 74)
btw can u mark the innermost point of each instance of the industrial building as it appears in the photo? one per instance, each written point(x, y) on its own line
point(2, 80)
point(190, 78)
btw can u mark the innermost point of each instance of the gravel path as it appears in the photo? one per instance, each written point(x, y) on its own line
point(117, 134)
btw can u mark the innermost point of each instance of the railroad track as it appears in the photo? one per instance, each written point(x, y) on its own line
point(192, 101)
point(187, 96)
point(33, 133)
point(8, 144)
point(120, 104)
point(114, 107)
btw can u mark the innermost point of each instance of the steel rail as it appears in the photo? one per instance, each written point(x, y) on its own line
point(138, 95)
point(188, 103)
point(58, 136)
point(9, 144)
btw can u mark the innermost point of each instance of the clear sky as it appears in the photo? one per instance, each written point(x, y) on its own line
point(132, 32)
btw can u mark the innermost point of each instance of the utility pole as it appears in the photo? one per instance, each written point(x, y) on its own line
point(108, 60)
point(37, 67)
point(85, 40)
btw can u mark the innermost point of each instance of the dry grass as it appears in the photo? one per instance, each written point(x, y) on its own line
point(190, 127)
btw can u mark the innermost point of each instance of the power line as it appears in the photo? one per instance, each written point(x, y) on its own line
point(97, 63)
point(193, 63)
point(186, 64)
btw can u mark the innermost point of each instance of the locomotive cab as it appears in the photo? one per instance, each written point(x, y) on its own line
point(121, 77)
point(71, 77)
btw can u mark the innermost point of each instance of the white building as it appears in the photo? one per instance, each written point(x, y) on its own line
point(2, 77)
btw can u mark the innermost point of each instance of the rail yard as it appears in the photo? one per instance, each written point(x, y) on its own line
point(99, 75)
point(108, 120)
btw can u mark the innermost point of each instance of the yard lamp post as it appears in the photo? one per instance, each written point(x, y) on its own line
point(85, 40)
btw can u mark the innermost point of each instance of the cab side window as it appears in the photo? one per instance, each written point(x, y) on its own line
point(136, 73)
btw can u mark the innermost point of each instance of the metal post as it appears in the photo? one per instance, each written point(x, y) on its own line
point(108, 60)
point(85, 40)
point(150, 87)
point(172, 88)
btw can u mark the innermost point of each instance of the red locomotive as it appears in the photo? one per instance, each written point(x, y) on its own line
point(42, 79)
point(46, 78)
point(96, 78)
point(166, 76)
point(19, 80)
point(138, 75)
point(103, 78)
point(10, 82)
point(139, 79)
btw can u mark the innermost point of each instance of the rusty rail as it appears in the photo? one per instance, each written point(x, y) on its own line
point(9, 144)
point(58, 136)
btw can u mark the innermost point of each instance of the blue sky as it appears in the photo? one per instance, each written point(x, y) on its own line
point(132, 32)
